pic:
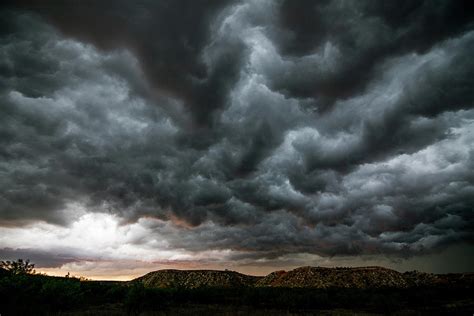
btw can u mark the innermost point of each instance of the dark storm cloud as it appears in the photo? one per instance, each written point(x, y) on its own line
point(358, 35)
point(265, 127)
point(41, 259)
point(166, 36)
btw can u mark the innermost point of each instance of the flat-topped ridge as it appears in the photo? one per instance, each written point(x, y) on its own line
point(302, 277)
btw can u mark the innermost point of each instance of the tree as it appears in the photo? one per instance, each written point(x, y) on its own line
point(18, 267)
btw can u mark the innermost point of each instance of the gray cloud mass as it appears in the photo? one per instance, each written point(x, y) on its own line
point(269, 127)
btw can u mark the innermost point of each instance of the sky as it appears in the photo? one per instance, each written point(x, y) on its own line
point(245, 135)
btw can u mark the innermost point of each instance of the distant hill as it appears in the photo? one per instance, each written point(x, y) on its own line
point(191, 279)
point(304, 277)
point(317, 277)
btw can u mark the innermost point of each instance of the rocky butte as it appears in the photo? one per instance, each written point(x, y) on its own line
point(304, 277)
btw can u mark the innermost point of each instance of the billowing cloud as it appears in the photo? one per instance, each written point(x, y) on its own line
point(236, 131)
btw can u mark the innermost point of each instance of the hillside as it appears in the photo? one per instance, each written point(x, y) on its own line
point(317, 277)
point(191, 279)
point(304, 277)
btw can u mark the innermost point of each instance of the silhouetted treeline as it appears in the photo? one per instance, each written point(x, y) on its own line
point(40, 294)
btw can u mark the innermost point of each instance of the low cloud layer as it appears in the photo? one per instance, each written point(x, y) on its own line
point(239, 131)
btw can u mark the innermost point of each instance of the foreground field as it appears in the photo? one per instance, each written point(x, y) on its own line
point(44, 295)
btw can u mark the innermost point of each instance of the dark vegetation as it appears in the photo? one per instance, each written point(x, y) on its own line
point(18, 267)
point(33, 294)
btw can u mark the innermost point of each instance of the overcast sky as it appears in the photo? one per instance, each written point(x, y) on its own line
point(250, 135)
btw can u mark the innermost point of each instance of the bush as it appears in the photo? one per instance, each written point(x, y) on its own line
point(18, 267)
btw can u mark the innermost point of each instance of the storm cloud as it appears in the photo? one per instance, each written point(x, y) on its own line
point(255, 129)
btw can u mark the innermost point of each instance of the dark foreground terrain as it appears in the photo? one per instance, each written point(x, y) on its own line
point(307, 291)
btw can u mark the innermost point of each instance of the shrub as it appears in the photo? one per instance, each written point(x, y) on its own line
point(18, 267)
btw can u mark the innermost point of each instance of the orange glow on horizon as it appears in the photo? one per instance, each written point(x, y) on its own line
point(111, 274)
